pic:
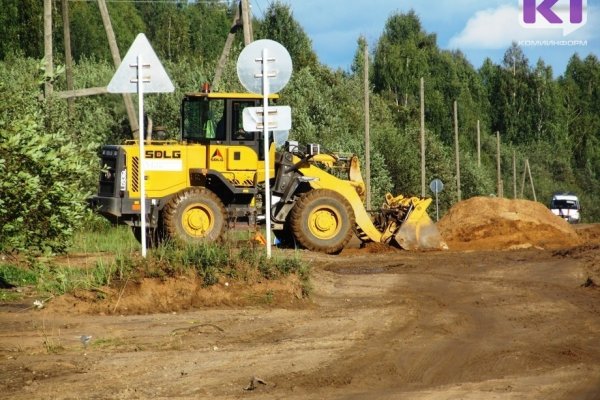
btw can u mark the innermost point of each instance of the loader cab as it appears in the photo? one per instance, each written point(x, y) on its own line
point(216, 119)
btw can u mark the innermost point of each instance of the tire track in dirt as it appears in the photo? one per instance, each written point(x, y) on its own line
point(456, 335)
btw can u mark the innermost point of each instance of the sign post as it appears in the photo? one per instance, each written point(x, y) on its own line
point(267, 202)
point(436, 187)
point(265, 67)
point(130, 78)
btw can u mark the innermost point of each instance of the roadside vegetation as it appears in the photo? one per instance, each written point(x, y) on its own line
point(209, 263)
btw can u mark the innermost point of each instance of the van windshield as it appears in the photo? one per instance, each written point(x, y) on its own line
point(565, 204)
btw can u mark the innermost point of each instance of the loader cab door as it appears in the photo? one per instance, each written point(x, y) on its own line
point(242, 146)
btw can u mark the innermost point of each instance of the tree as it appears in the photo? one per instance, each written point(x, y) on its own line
point(401, 59)
point(515, 95)
point(168, 29)
point(40, 168)
point(209, 24)
point(279, 25)
point(88, 36)
point(581, 93)
point(21, 28)
point(358, 62)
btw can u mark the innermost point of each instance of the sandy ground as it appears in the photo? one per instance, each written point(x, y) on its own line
point(518, 324)
point(511, 311)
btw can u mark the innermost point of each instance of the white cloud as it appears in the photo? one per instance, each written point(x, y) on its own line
point(497, 28)
point(491, 29)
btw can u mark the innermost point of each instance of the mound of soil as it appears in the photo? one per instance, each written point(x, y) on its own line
point(149, 296)
point(489, 223)
point(589, 233)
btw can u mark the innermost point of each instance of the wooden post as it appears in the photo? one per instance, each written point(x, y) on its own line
point(530, 179)
point(48, 48)
point(247, 23)
point(523, 180)
point(82, 92)
point(499, 170)
point(367, 128)
point(457, 151)
point(68, 55)
point(250, 27)
point(514, 174)
point(423, 137)
point(226, 49)
point(478, 145)
point(114, 50)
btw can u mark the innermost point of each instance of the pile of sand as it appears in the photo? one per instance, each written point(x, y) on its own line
point(489, 223)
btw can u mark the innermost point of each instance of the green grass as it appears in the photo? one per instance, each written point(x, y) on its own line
point(112, 239)
point(6, 296)
point(54, 280)
point(208, 261)
point(17, 276)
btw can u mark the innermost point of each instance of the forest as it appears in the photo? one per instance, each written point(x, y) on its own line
point(49, 147)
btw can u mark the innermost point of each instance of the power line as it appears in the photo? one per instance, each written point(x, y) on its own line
point(259, 8)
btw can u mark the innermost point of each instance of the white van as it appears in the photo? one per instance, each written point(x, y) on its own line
point(566, 206)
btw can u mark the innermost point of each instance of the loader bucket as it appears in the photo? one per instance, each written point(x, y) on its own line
point(419, 233)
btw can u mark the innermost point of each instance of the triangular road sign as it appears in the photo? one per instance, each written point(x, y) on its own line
point(155, 78)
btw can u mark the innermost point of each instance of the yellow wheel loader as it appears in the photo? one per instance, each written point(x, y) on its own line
point(214, 174)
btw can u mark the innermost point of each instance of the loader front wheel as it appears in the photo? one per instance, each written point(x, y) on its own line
point(322, 220)
point(194, 214)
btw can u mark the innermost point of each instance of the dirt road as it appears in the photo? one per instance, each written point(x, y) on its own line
point(521, 324)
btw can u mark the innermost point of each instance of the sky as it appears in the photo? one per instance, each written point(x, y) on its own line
point(479, 28)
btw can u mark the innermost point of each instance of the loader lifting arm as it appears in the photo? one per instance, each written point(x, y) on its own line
point(402, 221)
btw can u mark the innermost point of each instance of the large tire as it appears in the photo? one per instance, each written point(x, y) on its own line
point(193, 215)
point(322, 220)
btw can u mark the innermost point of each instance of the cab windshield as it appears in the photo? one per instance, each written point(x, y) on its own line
point(203, 120)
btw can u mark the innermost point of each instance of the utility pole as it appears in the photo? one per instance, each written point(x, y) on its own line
point(48, 48)
point(68, 54)
point(478, 145)
point(499, 171)
point(240, 19)
point(531, 179)
point(114, 50)
point(526, 170)
point(514, 174)
point(247, 22)
point(226, 48)
point(367, 127)
point(457, 151)
point(422, 137)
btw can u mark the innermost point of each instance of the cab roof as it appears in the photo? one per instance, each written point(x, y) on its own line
point(224, 95)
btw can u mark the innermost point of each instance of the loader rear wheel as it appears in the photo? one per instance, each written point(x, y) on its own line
point(322, 220)
point(194, 214)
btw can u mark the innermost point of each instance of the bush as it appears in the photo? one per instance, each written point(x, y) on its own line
point(41, 166)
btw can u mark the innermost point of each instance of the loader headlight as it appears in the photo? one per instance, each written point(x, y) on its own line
point(123, 179)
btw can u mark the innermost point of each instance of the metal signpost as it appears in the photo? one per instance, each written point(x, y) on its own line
point(264, 67)
point(436, 187)
point(141, 72)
